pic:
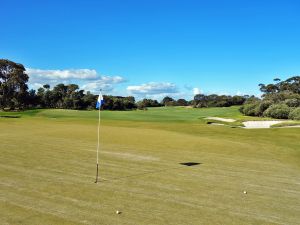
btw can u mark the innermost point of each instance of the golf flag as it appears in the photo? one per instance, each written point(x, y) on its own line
point(100, 101)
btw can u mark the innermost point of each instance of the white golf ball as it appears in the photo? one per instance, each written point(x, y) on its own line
point(245, 192)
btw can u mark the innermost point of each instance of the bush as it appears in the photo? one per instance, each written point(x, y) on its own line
point(281, 96)
point(278, 111)
point(250, 109)
point(293, 102)
point(241, 109)
point(295, 114)
point(262, 107)
point(252, 100)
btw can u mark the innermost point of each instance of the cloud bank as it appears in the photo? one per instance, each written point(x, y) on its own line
point(196, 91)
point(153, 90)
point(62, 74)
point(105, 82)
point(88, 79)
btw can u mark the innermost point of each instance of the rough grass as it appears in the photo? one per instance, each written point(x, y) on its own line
point(234, 124)
point(287, 124)
point(47, 169)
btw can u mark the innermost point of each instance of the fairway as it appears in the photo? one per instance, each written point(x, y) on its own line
point(47, 169)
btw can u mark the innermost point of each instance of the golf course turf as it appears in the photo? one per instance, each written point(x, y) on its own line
point(159, 166)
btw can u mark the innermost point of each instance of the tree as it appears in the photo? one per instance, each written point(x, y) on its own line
point(14, 94)
point(238, 100)
point(46, 86)
point(13, 87)
point(89, 100)
point(31, 99)
point(278, 101)
point(200, 100)
point(148, 103)
point(166, 100)
point(182, 102)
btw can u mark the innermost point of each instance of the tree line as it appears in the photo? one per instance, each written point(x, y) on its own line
point(14, 94)
point(280, 100)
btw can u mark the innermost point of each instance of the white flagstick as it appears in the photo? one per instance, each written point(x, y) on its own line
point(99, 119)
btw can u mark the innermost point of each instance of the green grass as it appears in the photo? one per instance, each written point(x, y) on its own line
point(287, 124)
point(160, 114)
point(235, 124)
point(47, 169)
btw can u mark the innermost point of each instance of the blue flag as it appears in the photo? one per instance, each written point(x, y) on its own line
point(100, 101)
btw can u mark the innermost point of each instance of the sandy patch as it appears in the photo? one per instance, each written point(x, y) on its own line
point(218, 124)
point(220, 119)
point(260, 124)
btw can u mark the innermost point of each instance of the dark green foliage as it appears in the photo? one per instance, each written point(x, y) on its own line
point(168, 101)
point(295, 114)
point(182, 102)
point(201, 100)
point(14, 94)
point(251, 99)
point(70, 97)
point(250, 109)
point(292, 84)
point(148, 103)
point(280, 100)
point(293, 102)
point(119, 103)
point(278, 111)
point(13, 87)
point(61, 96)
point(261, 107)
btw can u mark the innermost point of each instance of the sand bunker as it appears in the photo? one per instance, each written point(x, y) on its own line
point(260, 124)
point(250, 124)
point(220, 119)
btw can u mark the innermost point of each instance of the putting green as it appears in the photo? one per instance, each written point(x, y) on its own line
point(47, 169)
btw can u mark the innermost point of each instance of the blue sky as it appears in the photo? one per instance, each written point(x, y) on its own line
point(153, 48)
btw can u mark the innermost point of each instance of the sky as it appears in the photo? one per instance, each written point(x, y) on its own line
point(153, 48)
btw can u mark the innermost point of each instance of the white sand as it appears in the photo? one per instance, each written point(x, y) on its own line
point(251, 124)
point(218, 124)
point(220, 119)
point(260, 124)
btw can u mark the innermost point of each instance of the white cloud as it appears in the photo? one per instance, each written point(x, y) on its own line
point(87, 79)
point(83, 74)
point(153, 89)
point(105, 82)
point(196, 91)
point(36, 85)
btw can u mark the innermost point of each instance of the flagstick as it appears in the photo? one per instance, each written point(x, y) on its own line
point(98, 145)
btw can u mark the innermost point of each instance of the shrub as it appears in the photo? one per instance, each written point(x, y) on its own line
point(278, 111)
point(295, 114)
point(250, 109)
point(252, 100)
point(293, 102)
point(281, 96)
point(263, 106)
point(241, 109)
